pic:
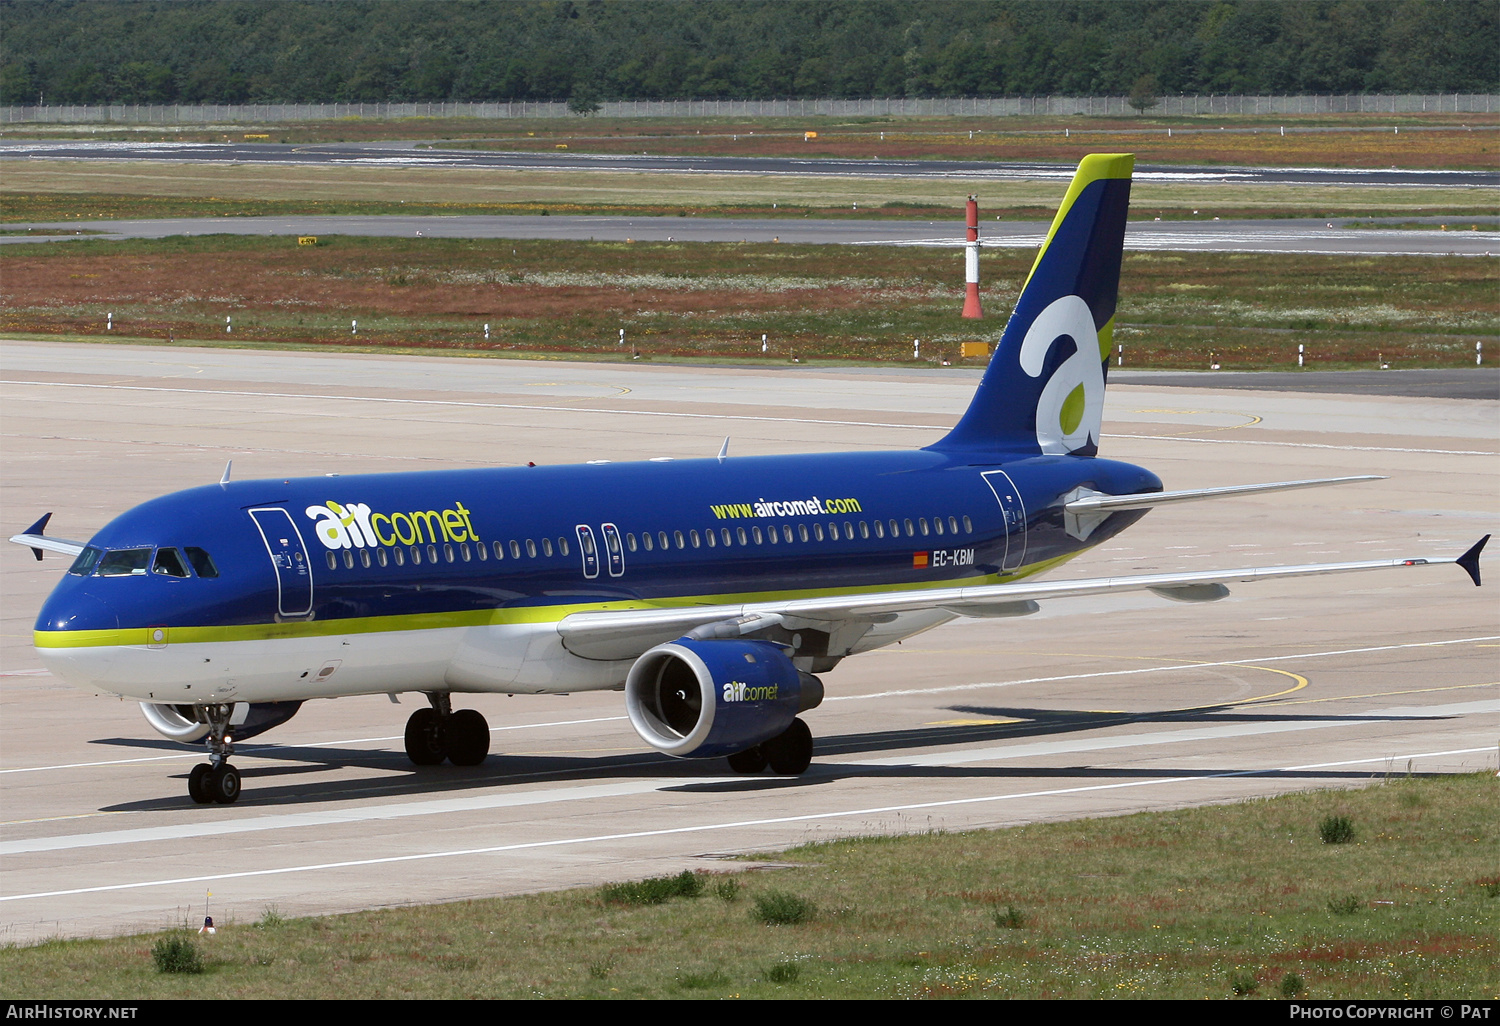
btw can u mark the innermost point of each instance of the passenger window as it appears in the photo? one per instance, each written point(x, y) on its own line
point(86, 561)
point(530, 548)
point(709, 537)
point(879, 529)
point(681, 541)
point(400, 556)
point(661, 537)
point(895, 529)
point(546, 546)
point(630, 542)
point(647, 541)
point(447, 552)
point(817, 532)
point(864, 529)
point(755, 533)
point(922, 523)
point(169, 562)
point(333, 560)
point(848, 531)
point(481, 550)
point(515, 549)
point(348, 559)
point(499, 548)
point(383, 559)
point(463, 551)
point(740, 531)
point(937, 524)
point(910, 531)
point(968, 525)
point(364, 558)
point(802, 531)
point(416, 556)
point(953, 525)
point(771, 535)
point(786, 533)
point(694, 536)
point(432, 554)
point(124, 562)
point(203, 564)
point(562, 546)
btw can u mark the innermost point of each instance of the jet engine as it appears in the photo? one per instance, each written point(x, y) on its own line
point(701, 699)
point(182, 722)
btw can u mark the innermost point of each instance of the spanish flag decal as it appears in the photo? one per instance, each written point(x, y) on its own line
point(919, 561)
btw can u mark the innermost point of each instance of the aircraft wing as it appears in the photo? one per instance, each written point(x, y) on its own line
point(628, 633)
point(36, 541)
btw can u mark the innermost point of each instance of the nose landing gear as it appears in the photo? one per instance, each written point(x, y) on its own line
point(438, 733)
point(216, 780)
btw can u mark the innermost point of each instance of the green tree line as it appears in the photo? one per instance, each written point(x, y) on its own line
point(239, 51)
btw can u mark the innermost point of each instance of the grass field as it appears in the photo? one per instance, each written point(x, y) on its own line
point(715, 300)
point(60, 190)
point(1240, 901)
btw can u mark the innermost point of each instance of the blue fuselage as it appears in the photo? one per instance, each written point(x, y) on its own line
point(605, 536)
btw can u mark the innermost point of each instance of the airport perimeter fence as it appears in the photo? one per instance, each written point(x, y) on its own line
point(255, 113)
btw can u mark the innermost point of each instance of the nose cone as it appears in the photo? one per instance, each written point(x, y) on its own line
point(73, 606)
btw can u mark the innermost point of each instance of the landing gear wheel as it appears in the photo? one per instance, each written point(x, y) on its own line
point(790, 752)
point(198, 784)
point(751, 760)
point(468, 738)
point(426, 744)
point(224, 784)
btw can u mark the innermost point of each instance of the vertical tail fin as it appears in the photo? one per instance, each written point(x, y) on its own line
point(1044, 388)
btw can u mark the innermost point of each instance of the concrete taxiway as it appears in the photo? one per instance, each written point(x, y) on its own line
point(1087, 708)
point(1248, 236)
point(437, 154)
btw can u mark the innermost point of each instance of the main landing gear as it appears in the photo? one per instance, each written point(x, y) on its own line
point(216, 780)
point(788, 753)
point(438, 733)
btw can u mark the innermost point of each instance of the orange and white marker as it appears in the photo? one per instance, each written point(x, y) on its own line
point(971, 263)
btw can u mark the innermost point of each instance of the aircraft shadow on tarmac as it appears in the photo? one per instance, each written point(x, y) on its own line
point(284, 784)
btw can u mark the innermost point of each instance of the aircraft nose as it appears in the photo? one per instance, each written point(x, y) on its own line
point(76, 609)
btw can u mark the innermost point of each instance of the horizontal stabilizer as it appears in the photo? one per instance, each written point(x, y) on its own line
point(1109, 503)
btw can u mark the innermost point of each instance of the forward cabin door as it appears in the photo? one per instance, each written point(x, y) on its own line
point(288, 558)
point(1014, 512)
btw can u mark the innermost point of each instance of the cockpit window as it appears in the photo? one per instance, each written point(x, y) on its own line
point(169, 562)
point(86, 561)
point(203, 563)
point(124, 562)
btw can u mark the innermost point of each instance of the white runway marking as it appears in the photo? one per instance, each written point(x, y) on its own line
point(739, 824)
point(959, 757)
point(716, 416)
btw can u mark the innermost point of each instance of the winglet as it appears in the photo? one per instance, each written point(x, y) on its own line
point(227, 468)
point(1470, 560)
point(724, 449)
point(41, 525)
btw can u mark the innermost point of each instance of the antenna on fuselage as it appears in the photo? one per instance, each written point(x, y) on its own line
point(724, 449)
point(227, 467)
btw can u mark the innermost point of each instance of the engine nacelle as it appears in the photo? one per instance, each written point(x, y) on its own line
point(701, 699)
point(183, 723)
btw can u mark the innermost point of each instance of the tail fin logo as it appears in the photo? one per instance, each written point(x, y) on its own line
point(1070, 410)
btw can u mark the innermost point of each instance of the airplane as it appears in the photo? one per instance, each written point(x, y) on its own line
point(713, 592)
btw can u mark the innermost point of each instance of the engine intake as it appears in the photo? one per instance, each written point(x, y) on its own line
point(702, 699)
point(183, 722)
